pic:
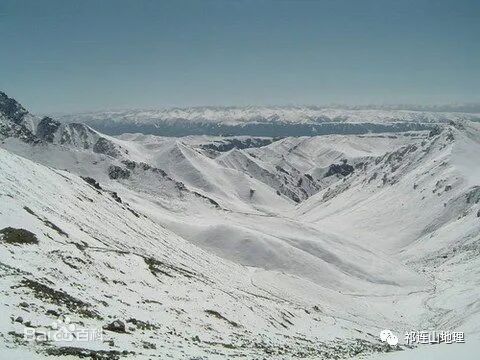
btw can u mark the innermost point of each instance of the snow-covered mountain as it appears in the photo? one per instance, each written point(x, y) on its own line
point(263, 121)
point(207, 247)
point(17, 122)
point(286, 114)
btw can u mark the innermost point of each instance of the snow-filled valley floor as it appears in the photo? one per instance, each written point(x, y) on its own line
point(206, 247)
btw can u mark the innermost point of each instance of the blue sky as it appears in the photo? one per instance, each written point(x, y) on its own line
point(72, 55)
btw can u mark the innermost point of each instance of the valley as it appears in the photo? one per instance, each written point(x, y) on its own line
point(255, 247)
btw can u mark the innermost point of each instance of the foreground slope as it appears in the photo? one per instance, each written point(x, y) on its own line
point(97, 259)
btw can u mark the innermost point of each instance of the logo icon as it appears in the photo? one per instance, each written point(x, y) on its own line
point(389, 337)
point(63, 329)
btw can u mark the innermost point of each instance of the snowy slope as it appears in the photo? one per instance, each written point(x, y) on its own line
point(200, 172)
point(308, 153)
point(82, 266)
point(420, 204)
point(394, 185)
point(217, 247)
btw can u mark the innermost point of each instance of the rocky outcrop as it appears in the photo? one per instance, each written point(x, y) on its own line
point(342, 169)
point(14, 236)
point(228, 144)
point(104, 146)
point(46, 129)
point(11, 109)
point(12, 116)
point(116, 326)
point(116, 172)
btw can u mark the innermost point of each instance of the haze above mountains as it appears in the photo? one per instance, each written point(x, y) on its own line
point(253, 232)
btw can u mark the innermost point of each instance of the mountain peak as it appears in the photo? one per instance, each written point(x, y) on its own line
point(11, 108)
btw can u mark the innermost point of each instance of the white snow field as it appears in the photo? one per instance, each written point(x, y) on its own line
point(208, 247)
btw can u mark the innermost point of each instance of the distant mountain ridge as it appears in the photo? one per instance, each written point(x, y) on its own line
point(263, 121)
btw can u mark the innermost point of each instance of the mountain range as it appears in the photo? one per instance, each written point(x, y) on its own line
point(265, 121)
point(227, 240)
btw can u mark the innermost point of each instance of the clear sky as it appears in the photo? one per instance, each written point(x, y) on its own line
point(75, 55)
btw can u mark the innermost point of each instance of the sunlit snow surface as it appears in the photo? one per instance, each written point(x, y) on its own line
point(257, 252)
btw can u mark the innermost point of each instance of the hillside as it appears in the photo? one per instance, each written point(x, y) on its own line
point(217, 247)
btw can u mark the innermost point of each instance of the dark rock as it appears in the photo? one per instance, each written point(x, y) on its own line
point(131, 165)
point(19, 319)
point(210, 200)
point(14, 236)
point(59, 298)
point(53, 313)
point(435, 131)
point(92, 182)
point(221, 317)
point(384, 179)
point(116, 172)
point(342, 169)
point(279, 168)
point(47, 128)
point(149, 345)
point(473, 196)
point(148, 167)
point(116, 197)
point(104, 146)
point(142, 325)
point(196, 338)
point(87, 353)
point(133, 212)
point(180, 186)
point(11, 108)
point(116, 326)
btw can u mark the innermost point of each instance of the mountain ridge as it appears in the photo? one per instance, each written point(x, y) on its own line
point(196, 242)
point(264, 121)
